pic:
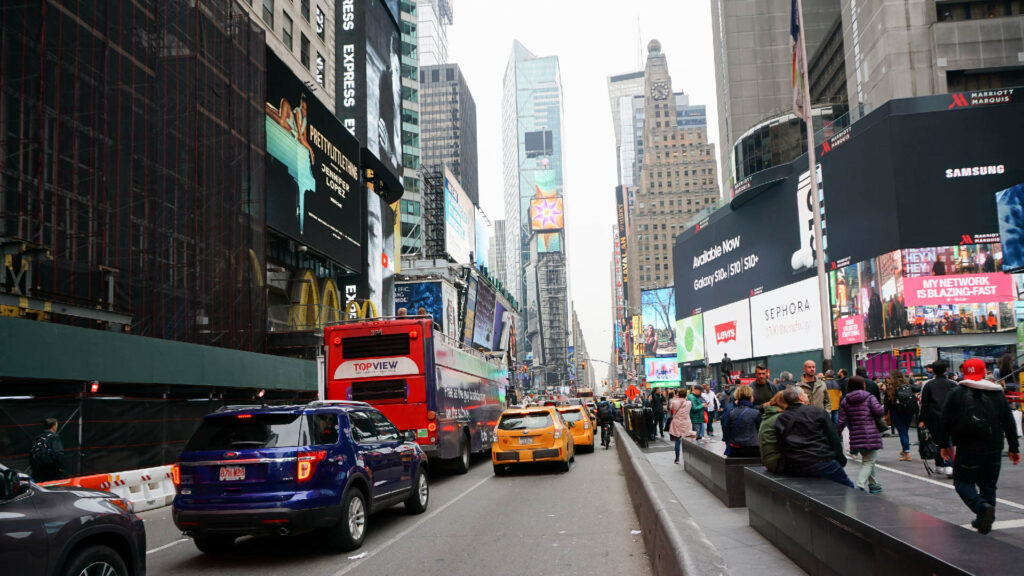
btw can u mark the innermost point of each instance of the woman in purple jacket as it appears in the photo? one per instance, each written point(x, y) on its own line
point(858, 412)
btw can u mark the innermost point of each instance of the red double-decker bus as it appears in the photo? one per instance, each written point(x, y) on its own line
point(420, 379)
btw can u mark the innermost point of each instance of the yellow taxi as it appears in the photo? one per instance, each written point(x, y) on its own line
point(534, 434)
point(581, 426)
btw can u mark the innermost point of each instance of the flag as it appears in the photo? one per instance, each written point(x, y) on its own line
point(799, 66)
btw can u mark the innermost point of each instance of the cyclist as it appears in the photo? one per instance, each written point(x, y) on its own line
point(605, 415)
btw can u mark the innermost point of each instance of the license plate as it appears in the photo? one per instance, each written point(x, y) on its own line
point(526, 440)
point(229, 473)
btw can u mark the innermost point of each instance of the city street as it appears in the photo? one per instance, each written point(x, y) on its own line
point(533, 521)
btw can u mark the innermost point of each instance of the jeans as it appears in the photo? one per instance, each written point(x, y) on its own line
point(711, 421)
point(659, 424)
point(975, 475)
point(835, 417)
point(679, 444)
point(866, 479)
point(699, 429)
point(829, 469)
point(902, 426)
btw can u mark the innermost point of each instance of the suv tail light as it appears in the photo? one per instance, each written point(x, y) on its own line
point(558, 433)
point(307, 463)
point(176, 476)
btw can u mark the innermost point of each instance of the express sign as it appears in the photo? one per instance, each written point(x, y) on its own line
point(357, 369)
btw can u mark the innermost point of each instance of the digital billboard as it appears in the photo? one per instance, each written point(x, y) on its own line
point(459, 220)
point(690, 340)
point(483, 318)
point(499, 327)
point(786, 319)
point(658, 311)
point(469, 316)
point(549, 242)
point(482, 232)
point(546, 183)
point(727, 331)
point(368, 83)
point(546, 214)
point(313, 191)
point(663, 371)
point(1010, 212)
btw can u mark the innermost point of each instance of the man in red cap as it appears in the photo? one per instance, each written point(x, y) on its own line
point(977, 417)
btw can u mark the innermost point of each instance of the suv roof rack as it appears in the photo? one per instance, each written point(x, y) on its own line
point(234, 407)
point(338, 403)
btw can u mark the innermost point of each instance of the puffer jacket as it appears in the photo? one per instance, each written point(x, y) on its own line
point(857, 412)
point(766, 437)
point(681, 425)
point(739, 424)
point(696, 410)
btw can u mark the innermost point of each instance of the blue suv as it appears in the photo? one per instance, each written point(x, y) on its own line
point(264, 471)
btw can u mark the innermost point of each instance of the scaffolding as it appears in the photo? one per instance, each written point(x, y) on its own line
point(433, 215)
point(132, 154)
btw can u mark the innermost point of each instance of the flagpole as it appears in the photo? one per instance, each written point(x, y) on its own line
point(823, 294)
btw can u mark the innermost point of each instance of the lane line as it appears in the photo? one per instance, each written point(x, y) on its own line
point(937, 483)
point(166, 546)
point(403, 533)
point(1000, 524)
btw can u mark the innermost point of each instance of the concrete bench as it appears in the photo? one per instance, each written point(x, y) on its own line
point(827, 528)
point(722, 476)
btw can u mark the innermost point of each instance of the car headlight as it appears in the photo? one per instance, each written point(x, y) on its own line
point(123, 504)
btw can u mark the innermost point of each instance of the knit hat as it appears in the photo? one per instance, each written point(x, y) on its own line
point(974, 369)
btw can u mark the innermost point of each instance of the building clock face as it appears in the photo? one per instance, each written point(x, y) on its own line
point(659, 90)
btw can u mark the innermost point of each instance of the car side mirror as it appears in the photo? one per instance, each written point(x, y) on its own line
point(572, 424)
point(410, 436)
point(10, 485)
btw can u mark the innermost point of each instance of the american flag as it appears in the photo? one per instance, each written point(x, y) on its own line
point(799, 66)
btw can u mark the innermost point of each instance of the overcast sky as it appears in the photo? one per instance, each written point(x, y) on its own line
point(593, 40)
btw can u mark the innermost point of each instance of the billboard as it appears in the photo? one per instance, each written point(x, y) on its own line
point(313, 192)
point(368, 83)
point(469, 316)
point(662, 371)
point(623, 228)
point(549, 242)
point(483, 318)
point(546, 214)
point(1010, 212)
point(437, 298)
point(482, 232)
point(498, 331)
point(459, 220)
point(690, 340)
point(786, 319)
point(728, 332)
point(658, 312)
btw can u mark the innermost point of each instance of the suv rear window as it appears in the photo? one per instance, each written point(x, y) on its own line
point(246, 431)
point(571, 415)
point(525, 421)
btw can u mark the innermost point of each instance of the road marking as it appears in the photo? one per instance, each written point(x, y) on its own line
point(1000, 524)
point(166, 546)
point(403, 533)
point(937, 483)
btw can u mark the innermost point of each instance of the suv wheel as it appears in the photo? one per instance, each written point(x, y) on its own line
point(417, 502)
point(348, 534)
point(96, 561)
point(214, 543)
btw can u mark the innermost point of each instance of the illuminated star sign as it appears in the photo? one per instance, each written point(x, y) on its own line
point(547, 214)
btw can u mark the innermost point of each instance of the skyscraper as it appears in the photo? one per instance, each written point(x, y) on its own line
point(533, 181)
point(433, 19)
point(410, 212)
point(497, 253)
point(448, 125)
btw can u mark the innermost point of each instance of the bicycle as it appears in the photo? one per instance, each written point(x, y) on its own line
point(606, 433)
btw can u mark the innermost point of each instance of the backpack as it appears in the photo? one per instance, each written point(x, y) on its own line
point(906, 403)
point(40, 455)
point(978, 417)
point(604, 411)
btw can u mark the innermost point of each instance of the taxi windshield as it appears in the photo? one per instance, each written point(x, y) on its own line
point(572, 415)
point(525, 421)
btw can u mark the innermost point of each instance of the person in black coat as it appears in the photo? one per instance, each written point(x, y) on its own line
point(933, 395)
point(869, 384)
point(808, 441)
point(47, 463)
point(658, 408)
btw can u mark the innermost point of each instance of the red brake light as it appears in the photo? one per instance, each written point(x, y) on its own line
point(175, 475)
point(431, 415)
point(414, 335)
point(307, 463)
point(243, 416)
point(432, 427)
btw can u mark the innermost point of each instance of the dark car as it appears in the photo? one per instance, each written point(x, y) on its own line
point(67, 531)
point(274, 471)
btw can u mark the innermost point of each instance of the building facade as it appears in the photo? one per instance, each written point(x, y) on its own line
point(410, 209)
point(532, 170)
point(497, 252)
point(448, 125)
point(433, 19)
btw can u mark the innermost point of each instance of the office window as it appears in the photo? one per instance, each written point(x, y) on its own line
point(286, 31)
point(321, 70)
point(304, 50)
point(321, 23)
point(305, 10)
point(268, 13)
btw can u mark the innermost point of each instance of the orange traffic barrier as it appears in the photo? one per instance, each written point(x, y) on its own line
point(94, 481)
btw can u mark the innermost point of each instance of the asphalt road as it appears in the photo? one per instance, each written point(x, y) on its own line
point(533, 521)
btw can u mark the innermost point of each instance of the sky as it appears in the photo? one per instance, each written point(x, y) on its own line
point(593, 40)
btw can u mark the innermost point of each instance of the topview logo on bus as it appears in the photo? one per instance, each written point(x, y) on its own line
point(375, 368)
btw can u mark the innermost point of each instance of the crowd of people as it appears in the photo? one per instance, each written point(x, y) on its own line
point(796, 426)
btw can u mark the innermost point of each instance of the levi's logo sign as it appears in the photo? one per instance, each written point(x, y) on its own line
point(725, 332)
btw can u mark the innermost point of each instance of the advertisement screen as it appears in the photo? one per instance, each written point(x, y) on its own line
point(1010, 212)
point(690, 343)
point(546, 214)
point(368, 82)
point(415, 295)
point(313, 192)
point(482, 232)
point(787, 319)
point(661, 371)
point(658, 309)
point(459, 220)
point(499, 327)
point(549, 242)
point(483, 321)
point(450, 299)
point(727, 331)
point(469, 318)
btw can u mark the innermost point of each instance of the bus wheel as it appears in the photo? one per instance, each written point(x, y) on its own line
point(462, 462)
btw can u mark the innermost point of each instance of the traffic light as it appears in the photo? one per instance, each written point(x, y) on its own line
point(583, 365)
point(917, 351)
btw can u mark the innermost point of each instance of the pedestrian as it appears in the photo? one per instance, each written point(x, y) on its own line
point(681, 423)
point(843, 378)
point(786, 380)
point(711, 406)
point(46, 456)
point(697, 411)
point(763, 389)
point(933, 396)
point(976, 418)
point(858, 412)
point(835, 395)
point(870, 385)
point(767, 439)
point(740, 424)
point(808, 441)
point(401, 312)
point(658, 408)
point(814, 387)
point(1009, 376)
point(902, 405)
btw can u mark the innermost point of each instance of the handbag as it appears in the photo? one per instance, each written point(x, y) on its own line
point(881, 424)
